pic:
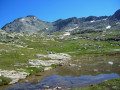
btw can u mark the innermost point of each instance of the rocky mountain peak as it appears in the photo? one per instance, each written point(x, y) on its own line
point(30, 16)
point(116, 15)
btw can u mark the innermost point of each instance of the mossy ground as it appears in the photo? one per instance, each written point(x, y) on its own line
point(4, 81)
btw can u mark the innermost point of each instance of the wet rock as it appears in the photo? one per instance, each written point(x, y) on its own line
point(57, 88)
point(111, 63)
point(73, 65)
point(46, 87)
point(47, 68)
point(26, 81)
point(95, 70)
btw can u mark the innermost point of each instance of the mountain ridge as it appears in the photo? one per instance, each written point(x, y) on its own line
point(31, 24)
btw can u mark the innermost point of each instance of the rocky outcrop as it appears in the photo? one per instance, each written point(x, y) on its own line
point(56, 58)
point(14, 75)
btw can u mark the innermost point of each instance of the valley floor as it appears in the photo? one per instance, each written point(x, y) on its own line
point(32, 53)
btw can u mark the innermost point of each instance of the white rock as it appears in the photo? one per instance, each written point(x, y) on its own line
point(0, 73)
point(95, 70)
point(14, 75)
point(60, 56)
point(22, 54)
point(30, 48)
point(19, 46)
point(47, 68)
point(111, 63)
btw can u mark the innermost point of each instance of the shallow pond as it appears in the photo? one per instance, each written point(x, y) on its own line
point(83, 71)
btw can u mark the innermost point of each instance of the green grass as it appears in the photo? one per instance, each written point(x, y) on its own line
point(113, 84)
point(4, 81)
point(40, 45)
point(33, 70)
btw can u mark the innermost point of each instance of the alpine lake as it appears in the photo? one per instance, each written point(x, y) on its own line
point(87, 70)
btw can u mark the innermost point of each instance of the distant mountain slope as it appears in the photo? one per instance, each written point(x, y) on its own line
point(32, 24)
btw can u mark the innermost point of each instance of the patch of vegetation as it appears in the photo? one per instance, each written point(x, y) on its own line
point(4, 80)
point(38, 74)
point(53, 65)
point(33, 70)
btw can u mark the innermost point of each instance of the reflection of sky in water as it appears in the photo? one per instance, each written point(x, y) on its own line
point(65, 82)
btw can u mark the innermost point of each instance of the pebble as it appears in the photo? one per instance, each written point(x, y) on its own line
point(111, 63)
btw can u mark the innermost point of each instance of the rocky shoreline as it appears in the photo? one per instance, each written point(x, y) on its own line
point(55, 58)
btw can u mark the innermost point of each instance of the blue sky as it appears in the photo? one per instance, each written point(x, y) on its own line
point(51, 10)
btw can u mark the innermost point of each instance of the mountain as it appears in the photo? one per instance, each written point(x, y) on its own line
point(116, 15)
point(32, 24)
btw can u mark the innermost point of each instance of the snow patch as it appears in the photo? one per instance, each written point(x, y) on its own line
point(66, 34)
point(108, 27)
point(22, 19)
point(92, 21)
point(72, 29)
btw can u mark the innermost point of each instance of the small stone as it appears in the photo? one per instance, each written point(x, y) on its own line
point(0, 80)
point(95, 70)
point(26, 81)
point(111, 63)
point(45, 86)
point(58, 88)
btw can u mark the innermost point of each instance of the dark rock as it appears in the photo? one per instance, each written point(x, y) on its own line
point(116, 15)
point(113, 39)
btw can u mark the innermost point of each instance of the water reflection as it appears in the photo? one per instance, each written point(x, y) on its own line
point(64, 82)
